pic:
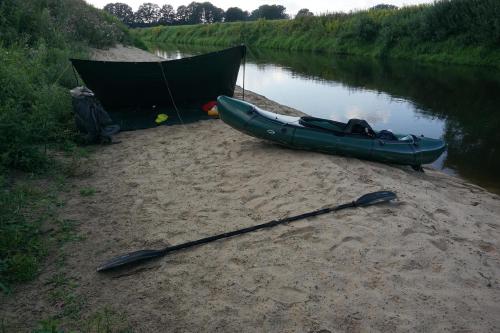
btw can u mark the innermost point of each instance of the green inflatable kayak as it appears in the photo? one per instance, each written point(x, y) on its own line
point(355, 138)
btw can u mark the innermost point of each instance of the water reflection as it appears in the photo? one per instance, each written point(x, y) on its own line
point(458, 103)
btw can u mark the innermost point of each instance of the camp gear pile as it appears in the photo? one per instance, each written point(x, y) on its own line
point(92, 121)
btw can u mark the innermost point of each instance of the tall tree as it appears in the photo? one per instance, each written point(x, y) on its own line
point(234, 14)
point(147, 14)
point(211, 13)
point(384, 6)
point(193, 13)
point(304, 12)
point(204, 12)
point(167, 15)
point(269, 12)
point(122, 11)
point(181, 17)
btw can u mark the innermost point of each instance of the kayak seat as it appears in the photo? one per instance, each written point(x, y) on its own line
point(359, 127)
point(354, 127)
point(326, 124)
point(386, 135)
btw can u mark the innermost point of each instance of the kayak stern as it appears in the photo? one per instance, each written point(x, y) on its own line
point(428, 150)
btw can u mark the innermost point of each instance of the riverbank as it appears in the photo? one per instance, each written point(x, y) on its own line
point(428, 262)
point(458, 32)
point(37, 132)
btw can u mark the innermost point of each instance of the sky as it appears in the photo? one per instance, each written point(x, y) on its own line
point(292, 6)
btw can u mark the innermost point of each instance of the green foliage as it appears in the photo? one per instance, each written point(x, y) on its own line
point(234, 14)
point(48, 326)
point(63, 294)
point(458, 31)
point(107, 320)
point(33, 113)
point(66, 232)
point(87, 192)
point(104, 320)
point(20, 244)
point(37, 38)
point(269, 12)
point(60, 23)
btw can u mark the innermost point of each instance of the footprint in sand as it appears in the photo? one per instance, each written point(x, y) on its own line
point(441, 244)
point(441, 211)
point(413, 264)
point(365, 179)
point(351, 238)
point(493, 226)
point(304, 233)
point(249, 197)
point(486, 246)
point(287, 295)
point(256, 203)
point(410, 231)
point(347, 239)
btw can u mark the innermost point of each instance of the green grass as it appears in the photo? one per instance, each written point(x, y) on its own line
point(37, 133)
point(454, 31)
point(104, 320)
point(87, 192)
point(39, 145)
point(22, 212)
point(30, 227)
point(64, 297)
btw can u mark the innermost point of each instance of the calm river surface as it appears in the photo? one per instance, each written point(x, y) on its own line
point(458, 103)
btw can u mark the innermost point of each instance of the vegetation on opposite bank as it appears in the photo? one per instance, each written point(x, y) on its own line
point(453, 31)
point(37, 38)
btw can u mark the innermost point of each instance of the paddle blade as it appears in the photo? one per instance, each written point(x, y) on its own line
point(129, 258)
point(375, 198)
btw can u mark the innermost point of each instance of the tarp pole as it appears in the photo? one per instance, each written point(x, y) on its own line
point(170, 92)
point(244, 70)
point(76, 75)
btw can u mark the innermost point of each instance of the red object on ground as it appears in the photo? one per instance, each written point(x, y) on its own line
point(208, 106)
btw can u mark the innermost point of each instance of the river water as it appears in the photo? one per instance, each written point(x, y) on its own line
point(460, 104)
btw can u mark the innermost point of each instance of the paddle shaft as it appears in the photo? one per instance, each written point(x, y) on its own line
point(269, 224)
point(137, 256)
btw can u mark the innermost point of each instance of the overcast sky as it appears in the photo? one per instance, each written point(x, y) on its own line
point(292, 6)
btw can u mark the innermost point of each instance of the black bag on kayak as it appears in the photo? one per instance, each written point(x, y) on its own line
point(92, 121)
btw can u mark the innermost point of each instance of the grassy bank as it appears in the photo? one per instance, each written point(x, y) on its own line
point(455, 31)
point(37, 38)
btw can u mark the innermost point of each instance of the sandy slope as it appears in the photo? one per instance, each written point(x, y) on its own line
point(123, 53)
point(429, 262)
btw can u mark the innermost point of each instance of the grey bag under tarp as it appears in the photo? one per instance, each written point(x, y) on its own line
point(91, 119)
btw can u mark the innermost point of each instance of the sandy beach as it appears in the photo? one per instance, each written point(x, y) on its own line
point(426, 263)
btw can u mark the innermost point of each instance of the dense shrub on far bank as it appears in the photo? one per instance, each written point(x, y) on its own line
point(459, 31)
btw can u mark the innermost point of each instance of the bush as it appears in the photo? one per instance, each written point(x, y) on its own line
point(20, 244)
point(37, 38)
point(33, 113)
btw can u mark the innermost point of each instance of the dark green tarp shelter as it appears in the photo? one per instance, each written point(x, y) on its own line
point(134, 92)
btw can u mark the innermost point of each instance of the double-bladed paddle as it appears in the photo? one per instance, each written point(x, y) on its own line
point(137, 256)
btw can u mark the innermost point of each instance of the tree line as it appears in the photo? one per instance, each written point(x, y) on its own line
point(150, 14)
